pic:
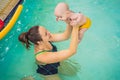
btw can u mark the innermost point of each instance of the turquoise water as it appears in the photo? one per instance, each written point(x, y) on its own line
point(98, 53)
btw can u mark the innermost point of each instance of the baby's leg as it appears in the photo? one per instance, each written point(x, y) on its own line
point(81, 34)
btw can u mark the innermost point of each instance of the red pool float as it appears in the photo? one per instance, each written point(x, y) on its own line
point(1, 24)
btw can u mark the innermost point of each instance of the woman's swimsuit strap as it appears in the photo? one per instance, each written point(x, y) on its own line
point(41, 52)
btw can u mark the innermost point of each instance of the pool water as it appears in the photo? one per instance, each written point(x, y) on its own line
point(98, 53)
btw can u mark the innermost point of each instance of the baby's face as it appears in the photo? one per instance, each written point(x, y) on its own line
point(61, 17)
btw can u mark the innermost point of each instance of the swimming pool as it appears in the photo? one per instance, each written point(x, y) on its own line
point(98, 53)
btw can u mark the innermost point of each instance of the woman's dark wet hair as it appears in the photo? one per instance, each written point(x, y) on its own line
point(31, 36)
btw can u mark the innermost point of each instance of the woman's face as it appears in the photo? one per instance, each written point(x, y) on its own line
point(45, 34)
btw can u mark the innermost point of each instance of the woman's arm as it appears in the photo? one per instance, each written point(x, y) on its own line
point(52, 57)
point(62, 36)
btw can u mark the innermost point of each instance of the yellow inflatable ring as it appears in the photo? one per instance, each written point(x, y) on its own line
point(11, 22)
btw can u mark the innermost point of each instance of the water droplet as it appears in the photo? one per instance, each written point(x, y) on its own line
point(19, 22)
point(18, 29)
point(27, 10)
point(6, 49)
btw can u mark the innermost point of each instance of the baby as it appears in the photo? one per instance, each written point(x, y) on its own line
point(63, 13)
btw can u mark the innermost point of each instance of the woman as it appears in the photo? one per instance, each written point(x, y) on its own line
point(46, 54)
